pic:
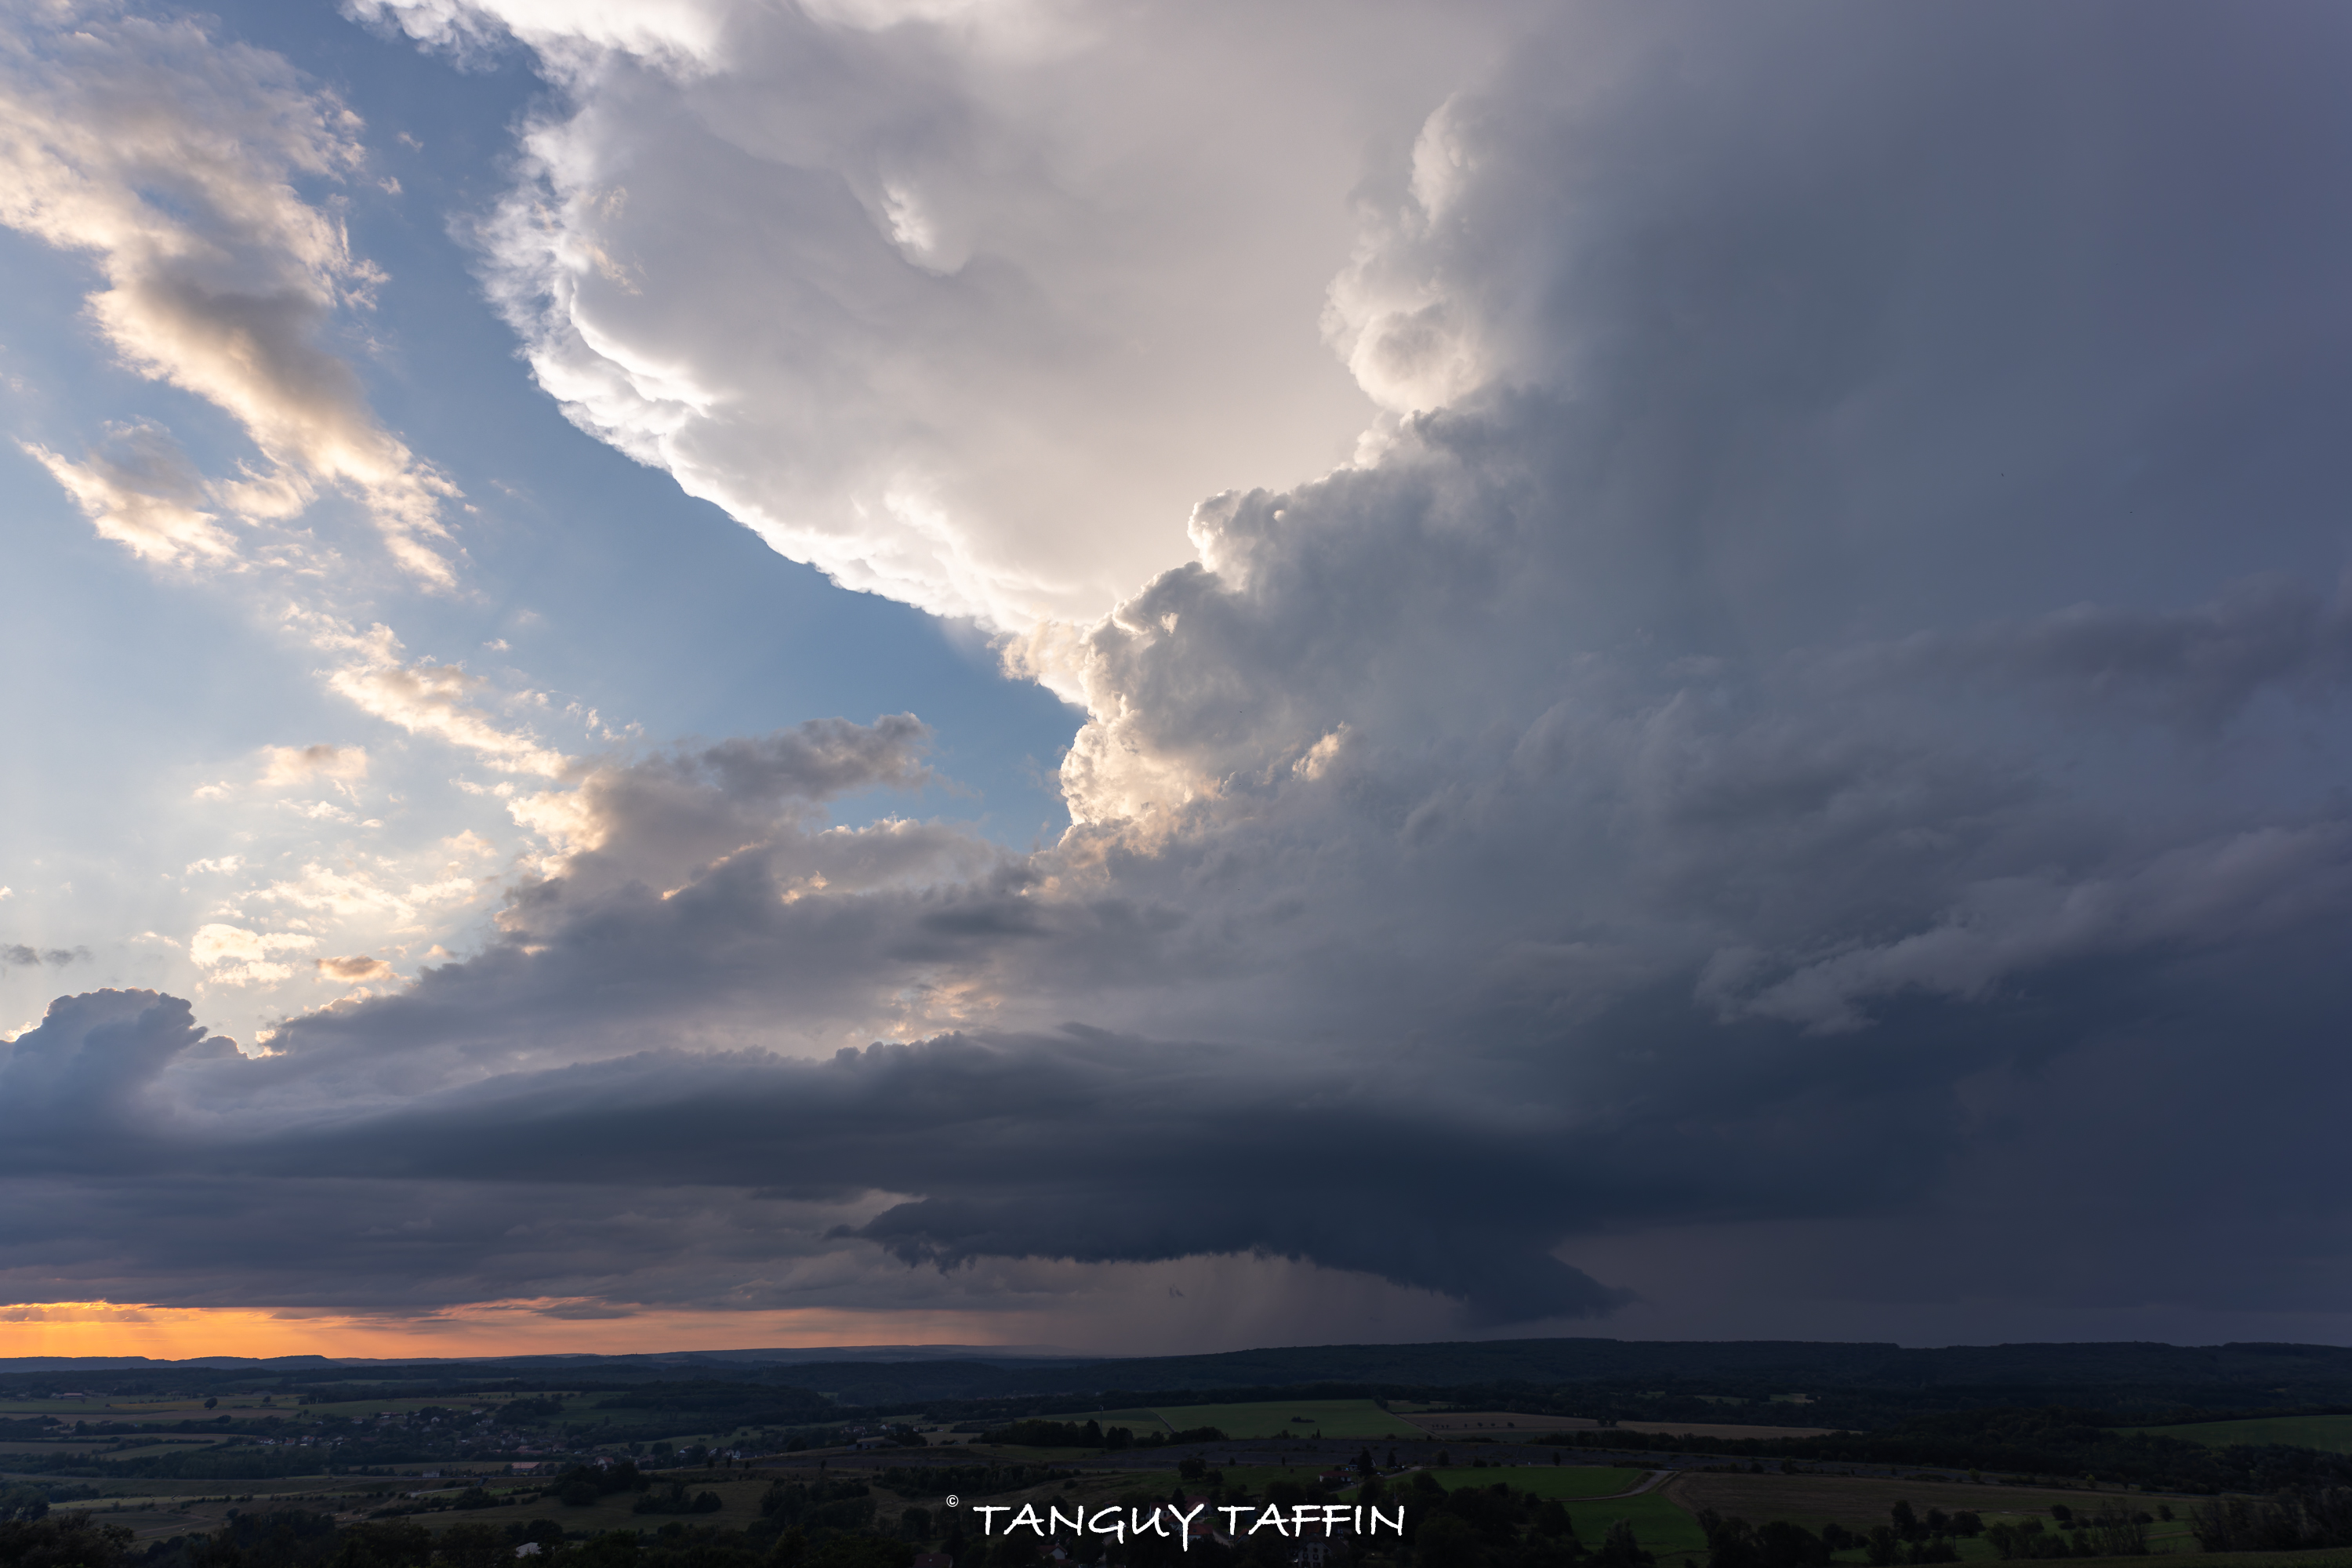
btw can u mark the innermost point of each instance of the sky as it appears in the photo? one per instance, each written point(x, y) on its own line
point(1161, 676)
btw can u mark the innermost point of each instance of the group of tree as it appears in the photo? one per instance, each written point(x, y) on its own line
point(1908, 1537)
point(584, 1485)
point(2289, 1521)
point(819, 1505)
point(1911, 1537)
point(672, 1497)
point(1090, 1434)
point(1496, 1526)
point(2051, 1441)
point(295, 1538)
point(969, 1480)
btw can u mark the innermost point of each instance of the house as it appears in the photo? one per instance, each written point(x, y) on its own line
point(1197, 1528)
point(1319, 1552)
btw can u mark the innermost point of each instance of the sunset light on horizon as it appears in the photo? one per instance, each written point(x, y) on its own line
point(62, 1329)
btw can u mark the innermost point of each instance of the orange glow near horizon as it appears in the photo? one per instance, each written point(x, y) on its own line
point(479, 1329)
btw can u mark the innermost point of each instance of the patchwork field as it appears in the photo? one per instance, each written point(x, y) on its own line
point(1496, 1423)
point(1658, 1525)
point(1136, 1421)
point(1594, 1496)
point(1859, 1502)
point(739, 1506)
point(1717, 1429)
point(2331, 1433)
point(1294, 1418)
point(1567, 1482)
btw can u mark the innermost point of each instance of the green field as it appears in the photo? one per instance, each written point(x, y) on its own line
point(2331, 1433)
point(740, 1501)
point(1658, 1525)
point(1137, 1421)
point(1331, 1417)
point(1566, 1482)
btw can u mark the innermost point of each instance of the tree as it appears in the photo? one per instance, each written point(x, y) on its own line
point(613, 1549)
point(62, 1540)
point(473, 1546)
point(861, 1551)
point(384, 1543)
point(1620, 1549)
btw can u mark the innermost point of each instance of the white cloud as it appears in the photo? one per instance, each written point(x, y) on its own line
point(421, 697)
point(316, 810)
point(284, 765)
point(964, 304)
point(355, 893)
point(235, 956)
point(222, 943)
point(146, 496)
point(171, 159)
point(354, 971)
point(429, 699)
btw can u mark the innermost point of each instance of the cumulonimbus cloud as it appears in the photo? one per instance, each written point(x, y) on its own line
point(1785, 688)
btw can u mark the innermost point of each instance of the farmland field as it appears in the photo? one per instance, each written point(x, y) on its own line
point(1137, 1421)
point(1566, 1482)
point(740, 1506)
point(2331, 1433)
point(1332, 1418)
point(1658, 1525)
point(1455, 1423)
point(1720, 1429)
point(1859, 1502)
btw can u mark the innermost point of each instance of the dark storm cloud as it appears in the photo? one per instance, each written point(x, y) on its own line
point(1085, 1146)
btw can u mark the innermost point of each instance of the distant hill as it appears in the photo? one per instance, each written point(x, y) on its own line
point(2096, 1375)
point(1857, 1383)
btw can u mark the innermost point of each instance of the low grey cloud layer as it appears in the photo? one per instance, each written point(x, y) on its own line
point(1804, 762)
